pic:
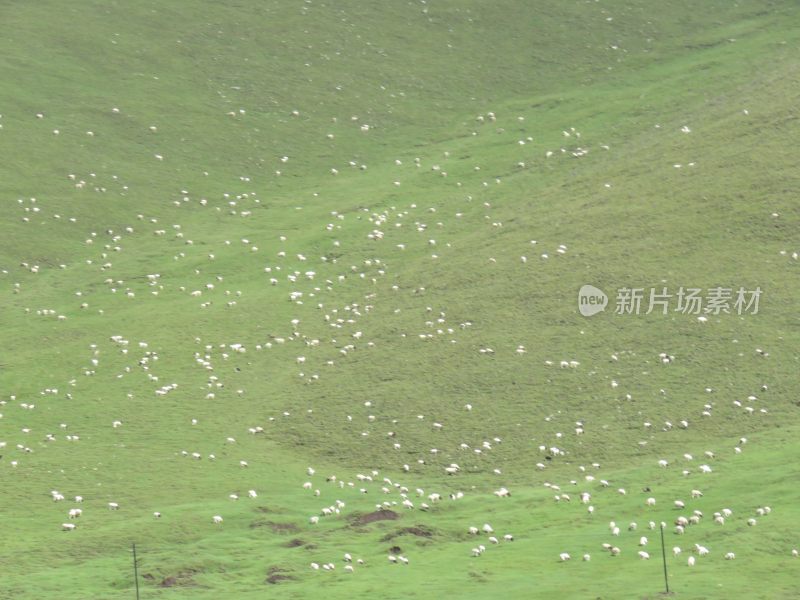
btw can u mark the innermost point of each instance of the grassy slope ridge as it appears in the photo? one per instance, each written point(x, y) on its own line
point(647, 205)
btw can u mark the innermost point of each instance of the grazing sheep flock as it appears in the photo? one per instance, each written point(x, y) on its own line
point(198, 315)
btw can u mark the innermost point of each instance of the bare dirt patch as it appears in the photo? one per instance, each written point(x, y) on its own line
point(275, 527)
point(418, 530)
point(276, 575)
point(378, 515)
point(183, 578)
point(284, 527)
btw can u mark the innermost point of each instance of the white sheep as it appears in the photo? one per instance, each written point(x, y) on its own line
point(216, 519)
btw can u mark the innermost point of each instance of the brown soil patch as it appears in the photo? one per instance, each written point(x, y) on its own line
point(284, 527)
point(378, 515)
point(183, 578)
point(276, 527)
point(276, 575)
point(419, 530)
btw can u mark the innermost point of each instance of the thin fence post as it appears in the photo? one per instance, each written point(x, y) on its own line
point(664, 559)
point(135, 572)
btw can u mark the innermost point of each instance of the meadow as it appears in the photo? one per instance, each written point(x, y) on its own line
point(256, 245)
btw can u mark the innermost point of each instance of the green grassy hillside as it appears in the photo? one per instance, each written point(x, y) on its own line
point(349, 237)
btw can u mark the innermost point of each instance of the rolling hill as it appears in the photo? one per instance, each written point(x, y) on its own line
point(254, 245)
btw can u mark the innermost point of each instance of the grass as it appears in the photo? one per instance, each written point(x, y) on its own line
point(626, 76)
